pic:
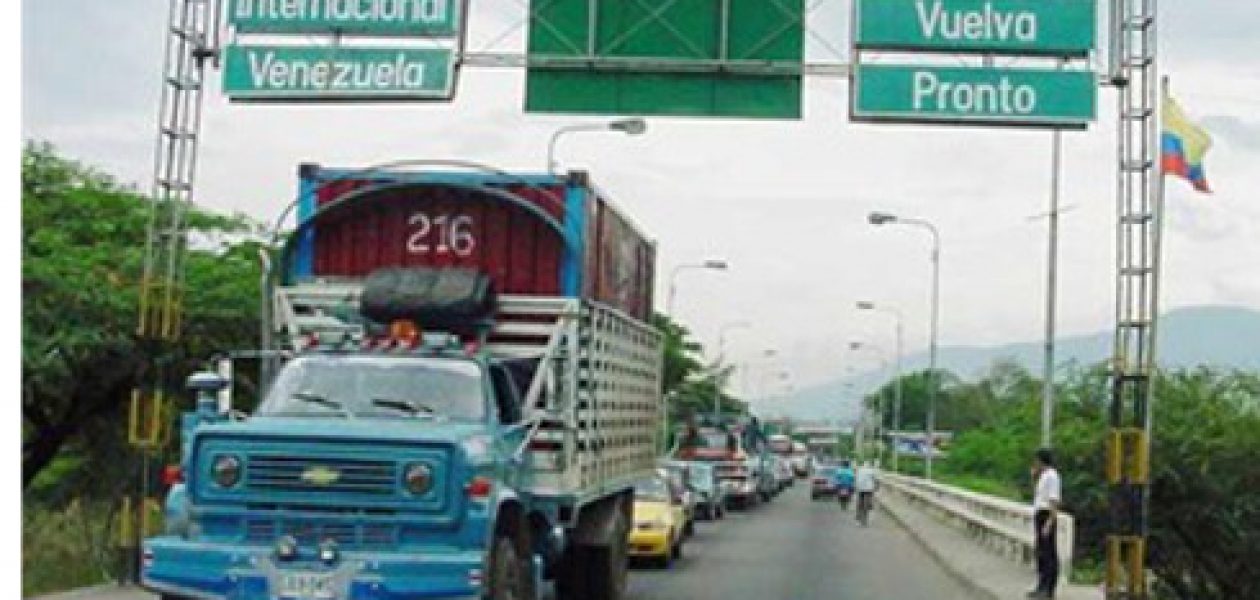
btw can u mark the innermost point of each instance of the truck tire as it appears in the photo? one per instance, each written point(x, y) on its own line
point(571, 574)
point(594, 573)
point(511, 575)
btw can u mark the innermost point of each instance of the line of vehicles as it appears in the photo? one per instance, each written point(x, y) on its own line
point(720, 466)
point(457, 396)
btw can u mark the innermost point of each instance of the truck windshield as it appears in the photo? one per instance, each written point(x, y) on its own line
point(378, 386)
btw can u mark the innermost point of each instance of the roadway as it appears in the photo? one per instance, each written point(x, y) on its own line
point(790, 549)
point(795, 549)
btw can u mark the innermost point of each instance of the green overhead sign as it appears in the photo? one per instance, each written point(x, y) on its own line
point(708, 58)
point(973, 95)
point(417, 18)
point(337, 73)
point(1031, 27)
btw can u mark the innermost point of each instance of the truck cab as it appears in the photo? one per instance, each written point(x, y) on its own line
point(362, 474)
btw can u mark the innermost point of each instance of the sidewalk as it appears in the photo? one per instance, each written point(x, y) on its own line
point(988, 575)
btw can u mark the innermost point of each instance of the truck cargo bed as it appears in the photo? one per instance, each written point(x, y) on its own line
point(533, 234)
point(593, 406)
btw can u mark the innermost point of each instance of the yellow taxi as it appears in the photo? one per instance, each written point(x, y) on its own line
point(659, 519)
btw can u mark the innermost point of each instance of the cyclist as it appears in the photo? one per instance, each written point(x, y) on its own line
point(843, 479)
point(866, 484)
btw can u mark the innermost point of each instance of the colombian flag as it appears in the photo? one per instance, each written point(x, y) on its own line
point(1183, 145)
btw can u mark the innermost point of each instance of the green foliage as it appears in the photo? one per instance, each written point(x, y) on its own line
point(83, 239)
point(65, 548)
point(689, 385)
point(1205, 514)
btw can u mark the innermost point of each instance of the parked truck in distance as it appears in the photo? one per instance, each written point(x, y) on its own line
point(737, 450)
point(461, 394)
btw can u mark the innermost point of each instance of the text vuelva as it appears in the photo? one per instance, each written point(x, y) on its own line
point(267, 72)
point(976, 25)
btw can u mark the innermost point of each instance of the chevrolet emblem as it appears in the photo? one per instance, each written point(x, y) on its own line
point(320, 475)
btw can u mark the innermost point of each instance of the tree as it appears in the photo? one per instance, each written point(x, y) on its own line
point(82, 247)
point(1205, 514)
point(688, 384)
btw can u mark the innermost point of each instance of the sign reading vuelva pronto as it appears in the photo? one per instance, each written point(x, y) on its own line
point(1033, 27)
point(337, 73)
point(981, 95)
point(436, 18)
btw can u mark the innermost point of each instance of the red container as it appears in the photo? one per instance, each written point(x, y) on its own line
point(533, 234)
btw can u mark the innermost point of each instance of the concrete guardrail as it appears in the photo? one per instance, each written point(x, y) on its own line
point(997, 524)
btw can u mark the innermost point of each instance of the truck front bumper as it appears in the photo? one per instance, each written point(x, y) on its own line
point(214, 571)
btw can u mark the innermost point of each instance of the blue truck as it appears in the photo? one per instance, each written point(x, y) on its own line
point(420, 434)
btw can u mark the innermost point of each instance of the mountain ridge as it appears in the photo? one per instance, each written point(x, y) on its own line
point(1215, 335)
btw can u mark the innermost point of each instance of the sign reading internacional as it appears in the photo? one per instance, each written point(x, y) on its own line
point(979, 95)
point(436, 18)
point(1031, 27)
point(337, 73)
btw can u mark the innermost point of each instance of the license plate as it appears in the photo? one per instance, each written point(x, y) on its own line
point(306, 586)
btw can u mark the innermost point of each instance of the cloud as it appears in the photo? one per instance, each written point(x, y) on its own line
point(1243, 132)
point(783, 201)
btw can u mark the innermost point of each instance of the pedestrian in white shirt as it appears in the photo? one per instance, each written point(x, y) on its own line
point(866, 483)
point(1046, 499)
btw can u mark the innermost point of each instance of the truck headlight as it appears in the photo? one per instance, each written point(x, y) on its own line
point(417, 479)
point(328, 551)
point(286, 548)
point(226, 470)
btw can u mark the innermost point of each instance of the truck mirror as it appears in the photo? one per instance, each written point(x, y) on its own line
point(207, 385)
point(224, 367)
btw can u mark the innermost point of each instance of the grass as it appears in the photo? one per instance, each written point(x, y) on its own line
point(65, 548)
point(914, 466)
point(982, 485)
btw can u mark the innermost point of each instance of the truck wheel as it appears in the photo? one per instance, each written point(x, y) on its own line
point(594, 573)
point(600, 574)
point(572, 576)
point(511, 577)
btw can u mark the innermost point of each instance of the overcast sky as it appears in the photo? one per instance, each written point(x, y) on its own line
point(783, 202)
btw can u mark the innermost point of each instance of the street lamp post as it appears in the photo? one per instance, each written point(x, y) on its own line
point(896, 314)
point(717, 383)
point(878, 218)
point(878, 424)
point(712, 264)
point(626, 126)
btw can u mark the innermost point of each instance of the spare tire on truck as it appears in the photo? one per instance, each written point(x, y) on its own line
point(452, 298)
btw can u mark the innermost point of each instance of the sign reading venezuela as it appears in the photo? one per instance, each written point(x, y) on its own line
point(332, 73)
point(1032, 27)
point(436, 18)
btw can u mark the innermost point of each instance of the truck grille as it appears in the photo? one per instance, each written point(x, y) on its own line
point(265, 472)
point(732, 470)
point(346, 534)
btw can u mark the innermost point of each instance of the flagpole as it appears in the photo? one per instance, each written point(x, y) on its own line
point(1158, 250)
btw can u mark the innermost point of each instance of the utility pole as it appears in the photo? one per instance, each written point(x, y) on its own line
point(1052, 262)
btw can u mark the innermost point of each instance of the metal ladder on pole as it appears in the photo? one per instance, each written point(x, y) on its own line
point(1135, 75)
point(191, 42)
